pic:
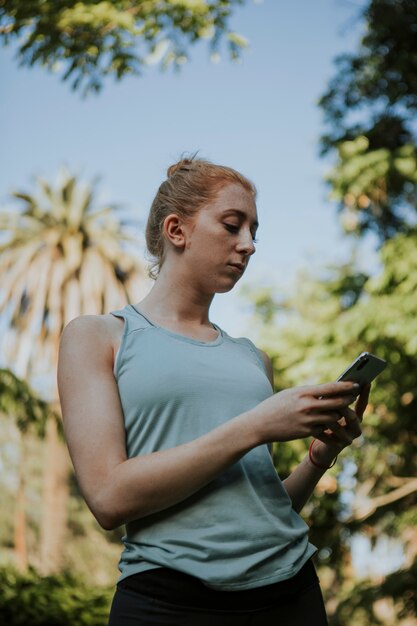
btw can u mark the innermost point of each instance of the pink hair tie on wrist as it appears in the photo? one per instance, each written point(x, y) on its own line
point(310, 456)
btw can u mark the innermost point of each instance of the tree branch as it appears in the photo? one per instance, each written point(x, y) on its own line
point(367, 509)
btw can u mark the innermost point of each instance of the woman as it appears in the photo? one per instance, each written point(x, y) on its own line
point(168, 421)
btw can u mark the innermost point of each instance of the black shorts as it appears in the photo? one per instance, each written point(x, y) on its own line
point(166, 597)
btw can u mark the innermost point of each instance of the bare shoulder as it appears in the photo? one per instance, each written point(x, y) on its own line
point(100, 332)
point(86, 329)
point(268, 364)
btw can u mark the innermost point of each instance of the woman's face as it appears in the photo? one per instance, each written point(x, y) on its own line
point(220, 235)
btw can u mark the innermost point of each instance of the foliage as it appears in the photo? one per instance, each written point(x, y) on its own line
point(62, 257)
point(87, 550)
point(94, 39)
point(59, 600)
point(369, 108)
point(19, 401)
point(326, 323)
point(399, 587)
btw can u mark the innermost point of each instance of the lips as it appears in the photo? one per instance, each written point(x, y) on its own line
point(239, 266)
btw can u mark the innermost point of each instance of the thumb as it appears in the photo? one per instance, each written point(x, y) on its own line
point(362, 401)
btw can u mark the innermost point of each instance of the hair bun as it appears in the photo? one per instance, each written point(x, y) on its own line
point(184, 166)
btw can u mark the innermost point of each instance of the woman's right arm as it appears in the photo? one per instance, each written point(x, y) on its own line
point(118, 489)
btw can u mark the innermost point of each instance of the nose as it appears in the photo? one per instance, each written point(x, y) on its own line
point(245, 243)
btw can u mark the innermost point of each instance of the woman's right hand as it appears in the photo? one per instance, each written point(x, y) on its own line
point(300, 412)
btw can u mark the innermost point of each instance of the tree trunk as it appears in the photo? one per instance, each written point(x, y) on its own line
point(54, 501)
point(20, 545)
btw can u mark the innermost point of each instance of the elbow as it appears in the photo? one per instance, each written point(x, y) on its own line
point(102, 516)
point(112, 511)
point(105, 513)
point(107, 519)
point(109, 514)
point(107, 523)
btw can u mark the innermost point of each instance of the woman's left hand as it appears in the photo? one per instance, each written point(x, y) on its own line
point(343, 432)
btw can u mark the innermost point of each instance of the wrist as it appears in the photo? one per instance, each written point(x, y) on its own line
point(255, 424)
point(319, 461)
point(249, 432)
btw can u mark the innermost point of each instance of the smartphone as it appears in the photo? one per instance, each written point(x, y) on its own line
point(364, 369)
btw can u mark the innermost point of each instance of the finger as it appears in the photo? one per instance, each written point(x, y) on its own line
point(342, 420)
point(324, 420)
point(323, 432)
point(326, 438)
point(352, 427)
point(333, 403)
point(349, 415)
point(362, 401)
point(332, 389)
point(341, 433)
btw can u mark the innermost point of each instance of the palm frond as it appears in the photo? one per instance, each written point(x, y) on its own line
point(63, 257)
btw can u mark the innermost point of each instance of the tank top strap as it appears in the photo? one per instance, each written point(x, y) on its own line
point(132, 322)
point(133, 319)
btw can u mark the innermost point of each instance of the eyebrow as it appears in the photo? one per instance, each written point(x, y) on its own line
point(242, 214)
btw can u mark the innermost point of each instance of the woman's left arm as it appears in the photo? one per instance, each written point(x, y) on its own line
point(301, 482)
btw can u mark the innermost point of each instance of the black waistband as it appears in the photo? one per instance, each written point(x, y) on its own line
point(181, 589)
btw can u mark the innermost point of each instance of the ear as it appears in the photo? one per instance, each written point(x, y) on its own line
point(175, 230)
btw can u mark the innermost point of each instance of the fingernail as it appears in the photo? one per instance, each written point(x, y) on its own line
point(356, 385)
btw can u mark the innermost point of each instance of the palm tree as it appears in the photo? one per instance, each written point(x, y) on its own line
point(62, 258)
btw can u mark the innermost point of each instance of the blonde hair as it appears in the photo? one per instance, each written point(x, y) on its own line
point(191, 183)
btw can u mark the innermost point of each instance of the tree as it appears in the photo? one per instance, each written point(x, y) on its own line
point(17, 400)
point(325, 323)
point(328, 319)
point(94, 39)
point(63, 258)
point(28, 598)
point(369, 109)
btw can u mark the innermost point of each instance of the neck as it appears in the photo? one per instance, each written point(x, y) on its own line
point(176, 300)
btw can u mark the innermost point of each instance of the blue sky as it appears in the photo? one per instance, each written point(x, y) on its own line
point(259, 116)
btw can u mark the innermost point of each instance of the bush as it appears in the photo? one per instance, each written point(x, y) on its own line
point(60, 600)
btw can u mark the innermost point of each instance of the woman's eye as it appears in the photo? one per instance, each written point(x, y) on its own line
point(235, 229)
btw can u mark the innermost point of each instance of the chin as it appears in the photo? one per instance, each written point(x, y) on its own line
point(225, 288)
point(215, 284)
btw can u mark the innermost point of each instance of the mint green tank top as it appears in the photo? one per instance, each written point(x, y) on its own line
point(239, 531)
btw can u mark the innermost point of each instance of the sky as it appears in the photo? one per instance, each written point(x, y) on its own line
point(259, 116)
